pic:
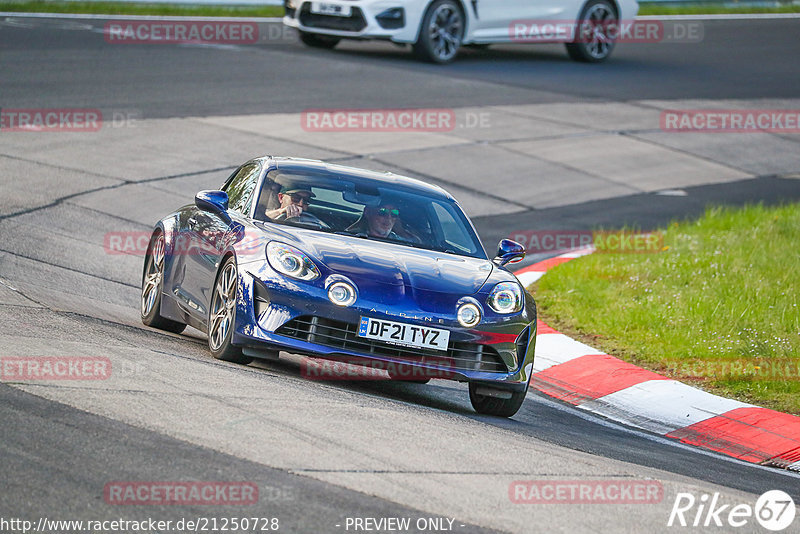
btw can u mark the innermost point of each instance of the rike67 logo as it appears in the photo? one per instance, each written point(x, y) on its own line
point(774, 510)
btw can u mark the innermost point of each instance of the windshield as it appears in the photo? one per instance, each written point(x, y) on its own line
point(366, 209)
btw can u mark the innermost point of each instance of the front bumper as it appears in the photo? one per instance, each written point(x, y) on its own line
point(276, 313)
point(369, 19)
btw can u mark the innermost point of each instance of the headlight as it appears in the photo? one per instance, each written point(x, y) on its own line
point(342, 294)
point(506, 297)
point(291, 262)
point(469, 315)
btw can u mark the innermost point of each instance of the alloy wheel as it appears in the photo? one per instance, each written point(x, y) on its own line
point(595, 30)
point(223, 307)
point(155, 274)
point(445, 31)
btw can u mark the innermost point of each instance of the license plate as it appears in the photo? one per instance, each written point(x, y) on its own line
point(324, 8)
point(409, 335)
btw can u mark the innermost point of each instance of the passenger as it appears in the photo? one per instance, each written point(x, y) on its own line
point(382, 221)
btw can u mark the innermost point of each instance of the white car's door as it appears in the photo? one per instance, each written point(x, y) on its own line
point(495, 18)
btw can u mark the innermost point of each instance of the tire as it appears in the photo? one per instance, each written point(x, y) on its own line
point(153, 286)
point(592, 44)
point(222, 315)
point(319, 41)
point(440, 32)
point(500, 407)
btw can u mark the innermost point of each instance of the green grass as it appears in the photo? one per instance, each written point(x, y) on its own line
point(713, 8)
point(717, 307)
point(125, 8)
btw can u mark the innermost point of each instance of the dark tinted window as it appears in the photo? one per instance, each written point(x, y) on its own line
point(342, 205)
point(240, 188)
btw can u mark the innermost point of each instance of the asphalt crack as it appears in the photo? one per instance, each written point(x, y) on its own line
point(71, 269)
point(122, 182)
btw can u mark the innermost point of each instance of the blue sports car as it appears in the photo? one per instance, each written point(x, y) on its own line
point(340, 263)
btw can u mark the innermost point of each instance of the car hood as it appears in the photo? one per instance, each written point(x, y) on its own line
point(375, 262)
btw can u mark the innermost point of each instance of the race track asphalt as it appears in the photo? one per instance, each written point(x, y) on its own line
point(320, 452)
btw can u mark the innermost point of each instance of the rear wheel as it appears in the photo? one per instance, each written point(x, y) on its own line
point(494, 401)
point(152, 287)
point(318, 41)
point(440, 33)
point(222, 316)
point(596, 26)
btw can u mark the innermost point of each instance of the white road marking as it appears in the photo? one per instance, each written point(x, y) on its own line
point(723, 16)
point(661, 406)
point(593, 418)
point(554, 349)
point(135, 17)
point(529, 277)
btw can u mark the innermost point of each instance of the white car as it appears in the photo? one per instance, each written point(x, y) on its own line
point(436, 29)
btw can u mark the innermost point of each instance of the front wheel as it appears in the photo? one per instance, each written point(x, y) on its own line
point(318, 41)
point(596, 27)
point(222, 316)
point(492, 401)
point(440, 33)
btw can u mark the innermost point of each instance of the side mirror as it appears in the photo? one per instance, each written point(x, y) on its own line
point(509, 252)
point(214, 201)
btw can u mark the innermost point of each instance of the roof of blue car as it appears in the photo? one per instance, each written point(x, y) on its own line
point(300, 164)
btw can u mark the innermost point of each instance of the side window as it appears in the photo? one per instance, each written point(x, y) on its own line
point(240, 188)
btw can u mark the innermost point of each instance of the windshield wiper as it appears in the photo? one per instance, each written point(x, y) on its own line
point(394, 241)
point(299, 224)
point(362, 235)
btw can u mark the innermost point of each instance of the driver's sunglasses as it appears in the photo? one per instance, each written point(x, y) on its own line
point(299, 199)
point(384, 212)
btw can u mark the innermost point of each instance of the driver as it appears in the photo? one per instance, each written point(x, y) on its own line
point(294, 206)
